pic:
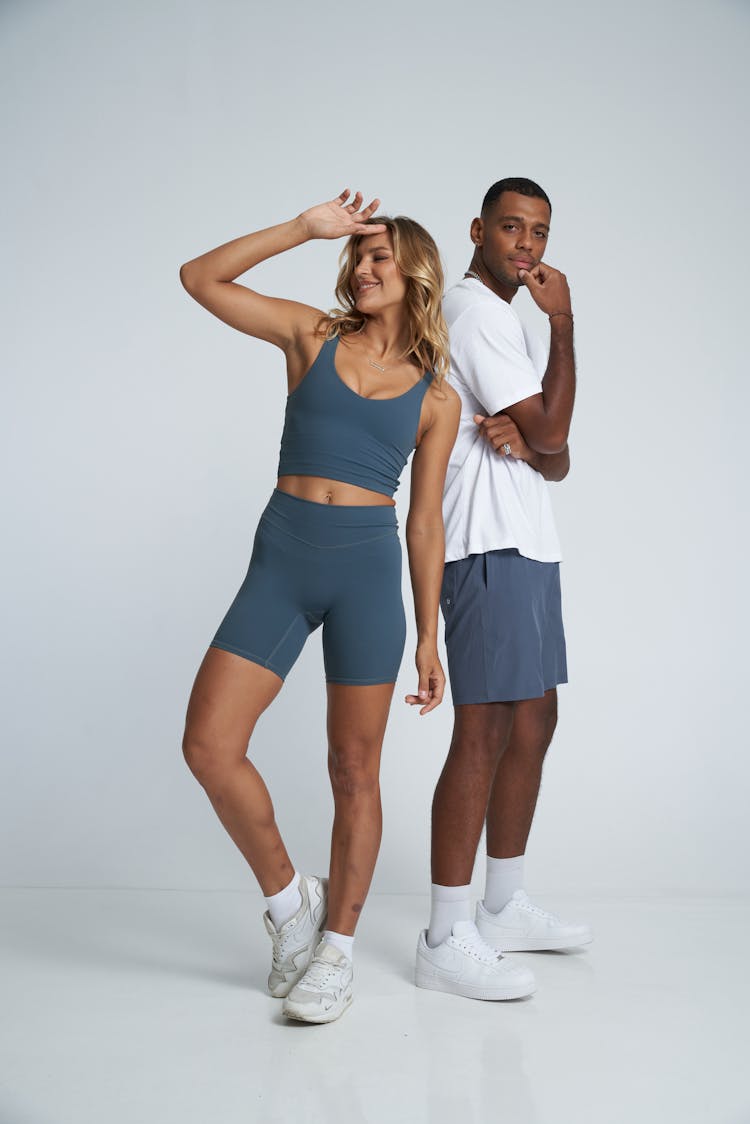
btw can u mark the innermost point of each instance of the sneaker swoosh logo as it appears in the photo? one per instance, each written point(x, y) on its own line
point(454, 969)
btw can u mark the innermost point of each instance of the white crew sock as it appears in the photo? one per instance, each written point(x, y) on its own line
point(449, 905)
point(283, 906)
point(504, 877)
point(340, 941)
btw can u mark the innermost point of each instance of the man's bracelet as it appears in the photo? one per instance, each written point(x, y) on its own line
point(568, 314)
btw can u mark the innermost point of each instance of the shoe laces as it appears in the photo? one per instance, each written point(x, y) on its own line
point(525, 904)
point(320, 975)
point(478, 949)
point(282, 943)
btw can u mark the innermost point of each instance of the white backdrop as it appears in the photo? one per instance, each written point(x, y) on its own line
point(141, 436)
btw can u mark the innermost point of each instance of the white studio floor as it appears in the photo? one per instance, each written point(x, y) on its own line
point(147, 1007)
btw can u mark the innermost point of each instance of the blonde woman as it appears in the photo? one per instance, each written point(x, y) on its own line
point(365, 388)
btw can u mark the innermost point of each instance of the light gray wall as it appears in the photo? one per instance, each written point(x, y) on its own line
point(140, 435)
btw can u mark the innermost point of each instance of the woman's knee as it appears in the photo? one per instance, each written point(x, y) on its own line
point(209, 761)
point(354, 769)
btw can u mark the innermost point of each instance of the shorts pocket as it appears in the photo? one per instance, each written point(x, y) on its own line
point(448, 590)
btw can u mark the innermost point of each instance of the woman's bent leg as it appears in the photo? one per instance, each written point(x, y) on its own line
point(229, 695)
point(357, 719)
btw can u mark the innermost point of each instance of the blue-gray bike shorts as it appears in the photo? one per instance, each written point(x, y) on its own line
point(321, 564)
point(503, 627)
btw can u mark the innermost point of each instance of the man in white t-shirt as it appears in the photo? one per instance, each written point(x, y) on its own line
point(500, 599)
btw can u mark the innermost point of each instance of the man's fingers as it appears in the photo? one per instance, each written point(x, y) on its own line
point(529, 278)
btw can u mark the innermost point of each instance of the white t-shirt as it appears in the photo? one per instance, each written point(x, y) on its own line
point(492, 502)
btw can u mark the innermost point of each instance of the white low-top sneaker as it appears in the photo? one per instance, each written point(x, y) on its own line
point(465, 965)
point(523, 927)
point(325, 990)
point(296, 940)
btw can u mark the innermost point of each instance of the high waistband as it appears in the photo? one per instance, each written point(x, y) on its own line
point(326, 524)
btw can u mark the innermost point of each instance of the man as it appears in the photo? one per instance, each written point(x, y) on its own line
point(500, 599)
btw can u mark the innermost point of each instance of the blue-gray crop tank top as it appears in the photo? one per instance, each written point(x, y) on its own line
point(331, 431)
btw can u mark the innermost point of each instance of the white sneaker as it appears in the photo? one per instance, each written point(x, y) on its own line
point(325, 990)
point(523, 927)
point(465, 965)
point(294, 943)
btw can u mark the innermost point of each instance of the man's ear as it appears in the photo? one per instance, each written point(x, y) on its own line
point(477, 231)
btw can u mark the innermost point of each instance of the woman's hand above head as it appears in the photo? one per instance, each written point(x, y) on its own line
point(341, 219)
point(211, 278)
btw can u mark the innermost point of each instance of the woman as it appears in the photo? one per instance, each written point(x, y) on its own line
point(365, 387)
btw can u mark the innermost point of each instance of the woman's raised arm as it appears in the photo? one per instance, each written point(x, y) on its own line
point(211, 278)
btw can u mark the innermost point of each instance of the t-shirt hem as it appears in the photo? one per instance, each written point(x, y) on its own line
point(532, 553)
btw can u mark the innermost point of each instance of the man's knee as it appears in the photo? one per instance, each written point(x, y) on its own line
point(549, 714)
point(535, 723)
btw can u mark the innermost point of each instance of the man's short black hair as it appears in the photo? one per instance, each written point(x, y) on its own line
point(520, 185)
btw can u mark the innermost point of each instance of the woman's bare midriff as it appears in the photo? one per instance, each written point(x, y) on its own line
point(317, 489)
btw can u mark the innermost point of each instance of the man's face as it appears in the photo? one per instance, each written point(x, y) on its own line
point(512, 236)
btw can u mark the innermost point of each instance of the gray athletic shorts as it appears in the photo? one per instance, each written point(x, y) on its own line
point(503, 627)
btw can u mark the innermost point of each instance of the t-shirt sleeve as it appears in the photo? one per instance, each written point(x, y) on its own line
point(492, 358)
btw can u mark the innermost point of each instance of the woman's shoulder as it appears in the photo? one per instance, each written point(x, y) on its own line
point(443, 395)
point(307, 346)
point(444, 406)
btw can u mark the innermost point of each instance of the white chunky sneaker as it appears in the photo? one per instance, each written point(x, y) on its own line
point(294, 943)
point(465, 965)
point(325, 990)
point(523, 927)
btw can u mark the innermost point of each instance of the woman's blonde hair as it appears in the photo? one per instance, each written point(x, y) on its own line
point(418, 260)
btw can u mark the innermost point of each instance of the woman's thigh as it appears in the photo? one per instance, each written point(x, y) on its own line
point(357, 718)
point(229, 695)
point(365, 628)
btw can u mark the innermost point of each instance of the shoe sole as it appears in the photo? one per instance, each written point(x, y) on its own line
point(326, 1017)
point(531, 944)
point(469, 991)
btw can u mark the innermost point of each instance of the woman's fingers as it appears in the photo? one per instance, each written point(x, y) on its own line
point(370, 210)
point(355, 208)
point(356, 203)
point(429, 692)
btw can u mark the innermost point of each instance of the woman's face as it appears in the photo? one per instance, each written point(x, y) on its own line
point(377, 283)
